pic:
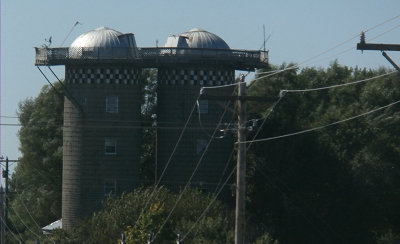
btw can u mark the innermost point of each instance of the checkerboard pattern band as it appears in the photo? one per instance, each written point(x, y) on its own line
point(104, 75)
point(195, 77)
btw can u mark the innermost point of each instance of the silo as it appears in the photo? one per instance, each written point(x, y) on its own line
point(184, 144)
point(101, 151)
point(102, 134)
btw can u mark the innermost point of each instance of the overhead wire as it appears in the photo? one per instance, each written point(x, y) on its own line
point(228, 124)
point(352, 48)
point(31, 216)
point(198, 164)
point(190, 179)
point(248, 147)
point(15, 237)
point(21, 219)
point(395, 17)
point(339, 85)
point(166, 166)
point(321, 127)
point(270, 111)
point(19, 234)
point(211, 202)
point(330, 49)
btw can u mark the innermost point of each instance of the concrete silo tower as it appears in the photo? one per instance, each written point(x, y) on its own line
point(101, 148)
point(178, 89)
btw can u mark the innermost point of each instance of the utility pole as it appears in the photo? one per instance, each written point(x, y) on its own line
point(241, 155)
point(379, 47)
point(3, 222)
point(241, 164)
point(4, 198)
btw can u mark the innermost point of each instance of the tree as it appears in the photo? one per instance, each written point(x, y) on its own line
point(336, 184)
point(36, 182)
point(146, 210)
point(149, 119)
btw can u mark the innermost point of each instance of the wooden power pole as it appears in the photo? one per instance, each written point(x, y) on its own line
point(241, 99)
point(379, 47)
point(4, 199)
point(241, 165)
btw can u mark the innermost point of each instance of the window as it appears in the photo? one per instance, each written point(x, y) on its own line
point(111, 146)
point(201, 145)
point(202, 106)
point(112, 104)
point(110, 188)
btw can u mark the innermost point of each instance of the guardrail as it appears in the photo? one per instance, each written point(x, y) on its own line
point(64, 55)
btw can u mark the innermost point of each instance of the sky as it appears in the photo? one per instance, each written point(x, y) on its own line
point(312, 33)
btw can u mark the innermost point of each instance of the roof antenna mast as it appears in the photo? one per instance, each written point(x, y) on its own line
point(264, 37)
point(77, 22)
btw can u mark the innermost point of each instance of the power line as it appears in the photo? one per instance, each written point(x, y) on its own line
point(324, 126)
point(339, 85)
point(211, 202)
point(308, 60)
point(165, 168)
point(19, 234)
point(31, 216)
point(21, 219)
point(190, 179)
point(217, 193)
point(395, 17)
point(4, 223)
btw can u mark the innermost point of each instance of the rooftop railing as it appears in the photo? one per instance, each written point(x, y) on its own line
point(148, 56)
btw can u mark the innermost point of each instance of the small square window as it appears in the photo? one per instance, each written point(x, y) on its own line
point(112, 104)
point(202, 106)
point(111, 146)
point(201, 145)
point(110, 188)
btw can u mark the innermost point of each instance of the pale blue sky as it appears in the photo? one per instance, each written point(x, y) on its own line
point(300, 30)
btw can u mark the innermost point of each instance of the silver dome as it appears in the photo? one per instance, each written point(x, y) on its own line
point(104, 37)
point(197, 38)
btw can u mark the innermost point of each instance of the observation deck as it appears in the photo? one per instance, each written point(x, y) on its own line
point(152, 57)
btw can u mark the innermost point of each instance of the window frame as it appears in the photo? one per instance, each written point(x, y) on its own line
point(110, 142)
point(203, 143)
point(112, 104)
point(110, 185)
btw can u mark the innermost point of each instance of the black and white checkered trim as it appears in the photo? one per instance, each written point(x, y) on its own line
point(196, 77)
point(104, 76)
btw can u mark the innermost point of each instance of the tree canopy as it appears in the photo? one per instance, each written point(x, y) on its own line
point(35, 186)
point(145, 211)
point(338, 183)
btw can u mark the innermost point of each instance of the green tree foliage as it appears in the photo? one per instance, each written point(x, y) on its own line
point(35, 185)
point(338, 184)
point(149, 107)
point(153, 206)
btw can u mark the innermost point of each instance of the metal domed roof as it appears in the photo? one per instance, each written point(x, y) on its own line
point(197, 38)
point(104, 37)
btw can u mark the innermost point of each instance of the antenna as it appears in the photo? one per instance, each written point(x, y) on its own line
point(77, 22)
point(264, 37)
point(265, 40)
